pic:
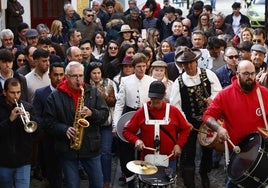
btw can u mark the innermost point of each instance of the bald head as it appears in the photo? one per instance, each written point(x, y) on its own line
point(246, 75)
point(245, 66)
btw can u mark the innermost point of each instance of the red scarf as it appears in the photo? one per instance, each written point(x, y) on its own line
point(74, 94)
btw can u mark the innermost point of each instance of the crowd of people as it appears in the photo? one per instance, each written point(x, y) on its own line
point(77, 78)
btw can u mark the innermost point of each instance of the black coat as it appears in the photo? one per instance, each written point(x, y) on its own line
point(15, 143)
point(59, 116)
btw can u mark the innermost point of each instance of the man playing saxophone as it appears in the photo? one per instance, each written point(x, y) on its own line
point(68, 108)
point(15, 137)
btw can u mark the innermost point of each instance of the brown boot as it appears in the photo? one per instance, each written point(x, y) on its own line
point(106, 185)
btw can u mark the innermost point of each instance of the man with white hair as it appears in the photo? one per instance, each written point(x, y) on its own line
point(61, 111)
point(100, 13)
point(7, 39)
point(68, 18)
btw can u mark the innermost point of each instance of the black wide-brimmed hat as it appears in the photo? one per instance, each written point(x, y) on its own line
point(184, 54)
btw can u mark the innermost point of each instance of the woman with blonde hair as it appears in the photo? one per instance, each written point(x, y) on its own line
point(203, 22)
point(164, 48)
point(153, 36)
point(246, 34)
point(158, 71)
point(55, 31)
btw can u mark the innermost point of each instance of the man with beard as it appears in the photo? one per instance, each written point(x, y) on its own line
point(239, 97)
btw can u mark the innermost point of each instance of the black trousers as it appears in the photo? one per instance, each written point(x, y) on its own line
point(187, 159)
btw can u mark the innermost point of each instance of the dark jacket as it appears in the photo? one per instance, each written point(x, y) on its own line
point(59, 116)
point(66, 25)
point(244, 20)
point(14, 14)
point(15, 143)
point(226, 29)
point(224, 75)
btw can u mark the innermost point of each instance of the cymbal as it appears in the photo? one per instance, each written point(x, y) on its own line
point(141, 167)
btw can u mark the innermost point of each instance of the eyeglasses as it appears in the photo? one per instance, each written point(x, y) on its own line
point(20, 60)
point(257, 41)
point(247, 74)
point(233, 56)
point(76, 76)
point(113, 48)
point(95, 64)
point(90, 15)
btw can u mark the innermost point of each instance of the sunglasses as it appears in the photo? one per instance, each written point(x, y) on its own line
point(113, 48)
point(258, 41)
point(233, 56)
point(95, 64)
point(90, 15)
point(20, 60)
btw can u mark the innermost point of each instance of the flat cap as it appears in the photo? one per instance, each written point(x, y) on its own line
point(159, 63)
point(31, 33)
point(258, 48)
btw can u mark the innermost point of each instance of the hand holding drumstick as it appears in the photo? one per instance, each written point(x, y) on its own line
point(223, 136)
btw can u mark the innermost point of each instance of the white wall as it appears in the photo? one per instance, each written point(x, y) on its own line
point(27, 11)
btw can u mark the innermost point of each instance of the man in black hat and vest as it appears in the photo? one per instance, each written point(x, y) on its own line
point(192, 92)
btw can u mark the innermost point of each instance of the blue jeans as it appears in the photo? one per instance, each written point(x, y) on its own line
point(92, 166)
point(106, 152)
point(19, 177)
point(213, 3)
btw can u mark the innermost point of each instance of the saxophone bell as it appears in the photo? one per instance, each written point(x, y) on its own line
point(83, 122)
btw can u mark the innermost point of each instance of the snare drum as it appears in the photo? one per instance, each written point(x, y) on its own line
point(208, 138)
point(249, 168)
point(165, 177)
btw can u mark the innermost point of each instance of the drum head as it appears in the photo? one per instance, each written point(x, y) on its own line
point(244, 161)
point(208, 138)
point(124, 119)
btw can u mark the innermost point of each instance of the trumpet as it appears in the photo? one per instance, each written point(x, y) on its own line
point(29, 126)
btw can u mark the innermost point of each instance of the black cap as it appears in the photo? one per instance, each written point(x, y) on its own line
point(157, 90)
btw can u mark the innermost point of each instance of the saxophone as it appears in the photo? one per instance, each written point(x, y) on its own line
point(79, 123)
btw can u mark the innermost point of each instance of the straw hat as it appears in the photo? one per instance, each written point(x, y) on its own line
point(125, 28)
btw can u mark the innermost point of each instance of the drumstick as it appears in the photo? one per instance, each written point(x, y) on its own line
point(235, 148)
point(226, 153)
point(168, 156)
point(152, 149)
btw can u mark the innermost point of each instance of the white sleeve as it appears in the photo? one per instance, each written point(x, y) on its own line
point(215, 83)
point(120, 102)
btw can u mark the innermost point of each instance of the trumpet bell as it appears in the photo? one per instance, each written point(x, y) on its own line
point(30, 127)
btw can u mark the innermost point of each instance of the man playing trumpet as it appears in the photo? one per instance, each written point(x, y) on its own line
point(15, 142)
point(239, 106)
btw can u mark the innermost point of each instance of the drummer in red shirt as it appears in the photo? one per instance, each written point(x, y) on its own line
point(239, 106)
point(172, 135)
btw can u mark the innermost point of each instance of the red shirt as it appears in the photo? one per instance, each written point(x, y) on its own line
point(178, 128)
point(240, 111)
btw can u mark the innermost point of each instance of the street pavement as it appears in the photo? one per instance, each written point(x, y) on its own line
point(217, 176)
